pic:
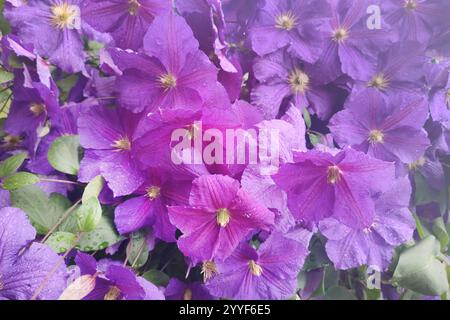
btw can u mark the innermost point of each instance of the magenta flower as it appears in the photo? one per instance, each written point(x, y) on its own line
point(220, 214)
point(126, 20)
point(321, 185)
point(372, 245)
point(109, 136)
point(56, 29)
point(291, 24)
point(161, 188)
point(24, 264)
point(269, 273)
point(390, 131)
point(168, 75)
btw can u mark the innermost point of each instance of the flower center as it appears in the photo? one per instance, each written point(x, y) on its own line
point(255, 268)
point(65, 16)
point(379, 82)
point(123, 144)
point(37, 108)
point(410, 4)
point(376, 136)
point(286, 21)
point(112, 294)
point(223, 217)
point(187, 294)
point(153, 192)
point(134, 6)
point(209, 269)
point(340, 34)
point(417, 164)
point(333, 174)
point(168, 81)
point(12, 141)
point(299, 81)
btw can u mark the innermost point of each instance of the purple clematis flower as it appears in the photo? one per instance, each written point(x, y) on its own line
point(162, 187)
point(351, 47)
point(32, 105)
point(400, 68)
point(169, 74)
point(115, 282)
point(320, 185)
point(290, 23)
point(264, 274)
point(282, 76)
point(415, 19)
point(440, 104)
point(178, 290)
point(390, 131)
point(126, 20)
point(109, 136)
point(56, 29)
point(24, 264)
point(220, 214)
point(373, 245)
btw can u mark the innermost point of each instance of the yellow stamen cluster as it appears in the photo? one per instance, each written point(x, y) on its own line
point(340, 34)
point(209, 270)
point(286, 21)
point(376, 136)
point(112, 294)
point(223, 217)
point(134, 6)
point(123, 144)
point(410, 4)
point(417, 164)
point(168, 81)
point(65, 15)
point(37, 108)
point(299, 81)
point(333, 174)
point(255, 268)
point(12, 141)
point(378, 82)
point(153, 192)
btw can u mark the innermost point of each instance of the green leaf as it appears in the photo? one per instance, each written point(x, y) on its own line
point(158, 278)
point(103, 236)
point(137, 250)
point(89, 215)
point(64, 154)
point(20, 180)
point(339, 293)
point(93, 188)
point(314, 138)
point(307, 118)
point(425, 194)
point(61, 241)
point(440, 231)
point(5, 102)
point(42, 211)
point(12, 164)
point(5, 76)
point(420, 270)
